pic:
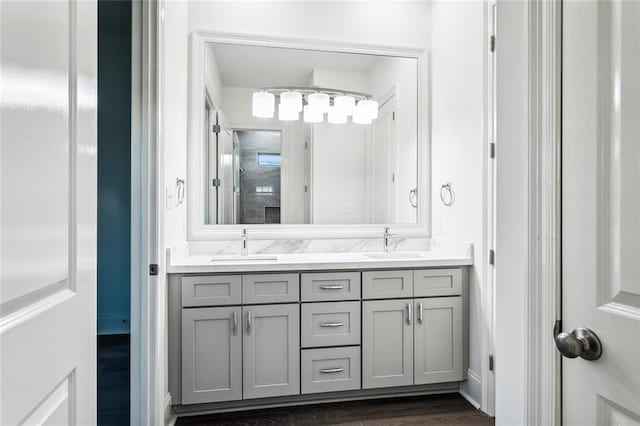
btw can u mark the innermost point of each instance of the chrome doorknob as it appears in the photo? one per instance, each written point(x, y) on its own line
point(581, 342)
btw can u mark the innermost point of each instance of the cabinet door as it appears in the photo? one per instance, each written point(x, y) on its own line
point(387, 343)
point(438, 340)
point(271, 348)
point(211, 355)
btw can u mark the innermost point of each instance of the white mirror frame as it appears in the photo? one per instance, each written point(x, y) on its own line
point(198, 230)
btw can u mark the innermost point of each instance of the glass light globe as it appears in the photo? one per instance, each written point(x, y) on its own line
point(291, 100)
point(263, 104)
point(312, 115)
point(345, 104)
point(370, 106)
point(361, 115)
point(336, 116)
point(319, 101)
point(287, 114)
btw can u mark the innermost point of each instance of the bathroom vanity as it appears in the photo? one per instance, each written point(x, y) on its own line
point(302, 328)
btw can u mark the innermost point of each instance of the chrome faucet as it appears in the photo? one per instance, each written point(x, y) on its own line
point(387, 237)
point(245, 242)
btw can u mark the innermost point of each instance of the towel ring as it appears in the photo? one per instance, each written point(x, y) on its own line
point(180, 191)
point(447, 194)
point(413, 197)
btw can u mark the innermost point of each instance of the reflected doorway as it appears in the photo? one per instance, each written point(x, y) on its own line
point(258, 169)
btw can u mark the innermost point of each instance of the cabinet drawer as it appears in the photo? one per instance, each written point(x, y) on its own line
point(330, 286)
point(330, 324)
point(211, 290)
point(330, 370)
point(387, 284)
point(437, 282)
point(270, 288)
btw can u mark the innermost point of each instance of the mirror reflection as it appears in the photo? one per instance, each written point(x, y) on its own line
point(298, 136)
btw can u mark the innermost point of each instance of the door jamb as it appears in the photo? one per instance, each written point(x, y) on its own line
point(148, 404)
point(543, 380)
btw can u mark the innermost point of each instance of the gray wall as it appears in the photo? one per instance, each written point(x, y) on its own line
point(252, 204)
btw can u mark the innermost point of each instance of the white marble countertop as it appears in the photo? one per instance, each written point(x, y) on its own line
point(436, 255)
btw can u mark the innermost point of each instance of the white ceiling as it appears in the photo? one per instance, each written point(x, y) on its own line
point(257, 66)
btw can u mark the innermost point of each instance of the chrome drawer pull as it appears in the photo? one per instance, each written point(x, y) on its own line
point(331, 324)
point(331, 287)
point(332, 370)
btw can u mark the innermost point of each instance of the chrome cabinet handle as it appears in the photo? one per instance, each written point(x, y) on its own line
point(331, 287)
point(420, 313)
point(331, 324)
point(581, 342)
point(409, 313)
point(235, 323)
point(332, 370)
point(248, 322)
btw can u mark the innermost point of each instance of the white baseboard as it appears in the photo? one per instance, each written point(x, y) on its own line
point(471, 389)
point(169, 417)
point(114, 324)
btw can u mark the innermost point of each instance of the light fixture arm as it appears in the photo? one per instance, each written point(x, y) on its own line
point(276, 90)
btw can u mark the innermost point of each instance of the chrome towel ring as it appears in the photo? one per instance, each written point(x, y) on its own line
point(413, 197)
point(447, 194)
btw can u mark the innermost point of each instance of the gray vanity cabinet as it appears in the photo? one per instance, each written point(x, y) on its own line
point(387, 343)
point(211, 355)
point(271, 350)
point(438, 340)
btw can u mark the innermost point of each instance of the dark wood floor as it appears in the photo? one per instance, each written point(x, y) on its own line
point(113, 380)
point(450, 409)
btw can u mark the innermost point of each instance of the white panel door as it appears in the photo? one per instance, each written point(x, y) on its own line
point(601, 208)
point(48, 107)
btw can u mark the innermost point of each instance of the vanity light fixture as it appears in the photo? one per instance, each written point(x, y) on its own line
point(291, 100)
point(314, 102)
point(319, 101)
point(336, 116)
point(345, 104)
point(287, 113)
point(361, 115)
point(263, 104)
point(312, 115)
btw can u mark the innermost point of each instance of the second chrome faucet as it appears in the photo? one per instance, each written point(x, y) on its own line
point(245, 242)
point(387, 238)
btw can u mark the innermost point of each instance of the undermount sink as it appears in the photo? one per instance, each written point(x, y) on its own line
point(248, 258)
point(394, 256)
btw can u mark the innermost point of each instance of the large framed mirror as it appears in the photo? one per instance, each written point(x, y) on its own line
point(298, 137)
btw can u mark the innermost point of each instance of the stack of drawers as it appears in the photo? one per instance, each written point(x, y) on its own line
point(330, 330)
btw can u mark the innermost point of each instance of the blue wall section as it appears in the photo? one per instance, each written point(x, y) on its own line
point(114, 166)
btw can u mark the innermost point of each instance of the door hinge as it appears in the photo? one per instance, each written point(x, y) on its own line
point(153, 269)
point(492, 257)
point(306, 188)
point(493, 43)
point(306, 145)
point(215, 182)
point(393, 116)
point(491, 363)
point(492, 150)
point(215, 128)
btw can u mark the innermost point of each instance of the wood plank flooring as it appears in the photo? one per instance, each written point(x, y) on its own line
point(449, 409)
point(113, 380)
